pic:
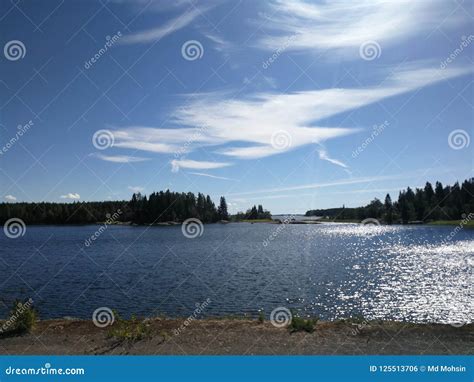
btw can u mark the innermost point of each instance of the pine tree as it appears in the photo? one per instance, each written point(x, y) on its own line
point(222, 210)
point(388, 209)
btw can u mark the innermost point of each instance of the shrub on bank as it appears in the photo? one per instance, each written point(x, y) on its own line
point(21, 320)
point(300, 324)
point(129, 330)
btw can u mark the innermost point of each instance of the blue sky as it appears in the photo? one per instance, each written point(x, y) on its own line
point(292, 104)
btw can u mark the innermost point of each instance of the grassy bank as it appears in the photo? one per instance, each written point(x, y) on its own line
point(239, 336)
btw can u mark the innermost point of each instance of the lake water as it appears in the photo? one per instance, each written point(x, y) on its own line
point(327, 270)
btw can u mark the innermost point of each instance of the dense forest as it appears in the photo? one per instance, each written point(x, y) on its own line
point(172, 206)
point(420, 205)
point(163, 206)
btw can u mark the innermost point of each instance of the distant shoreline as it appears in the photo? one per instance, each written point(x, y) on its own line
point(469, 224)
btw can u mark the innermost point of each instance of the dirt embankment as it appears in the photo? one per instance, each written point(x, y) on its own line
point(246, 337)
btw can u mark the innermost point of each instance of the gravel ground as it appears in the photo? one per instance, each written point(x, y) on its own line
point(235, 336)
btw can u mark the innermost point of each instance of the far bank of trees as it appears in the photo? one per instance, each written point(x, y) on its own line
point(421, 204)
point(163, 206)
point(158, 207)
point(424, 204)
point(254, 213)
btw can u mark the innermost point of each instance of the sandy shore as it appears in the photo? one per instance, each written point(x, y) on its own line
point(228, 336)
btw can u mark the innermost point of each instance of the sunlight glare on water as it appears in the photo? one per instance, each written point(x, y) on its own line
point(406, 273)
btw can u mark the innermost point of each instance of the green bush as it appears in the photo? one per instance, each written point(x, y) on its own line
point(22, 318)
point(129, 330)
point(300, 324)
point(261, 317)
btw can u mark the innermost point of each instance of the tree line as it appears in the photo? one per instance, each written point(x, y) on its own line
point(158, 207)
point(167, 206)
point(420, 205)
point(253, 213)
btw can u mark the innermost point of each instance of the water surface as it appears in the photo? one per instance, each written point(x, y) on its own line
point(328, 270)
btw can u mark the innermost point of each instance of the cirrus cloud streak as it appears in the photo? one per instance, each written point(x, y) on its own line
point(342, 26)
point(244, 128)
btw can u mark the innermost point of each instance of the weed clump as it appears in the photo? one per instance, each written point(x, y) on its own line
point(299, 324)
point(129, 330)
point(22, 319)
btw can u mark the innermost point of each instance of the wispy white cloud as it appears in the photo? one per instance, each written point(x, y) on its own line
point(10, 198)
point(220, 44)
point(296, 196)
point(259, 82)
point(176, 164)
point(321, 192)
point(155, 34)
point(342, 26)
point(209, 175)
point(270, 81)
point(371, 180)
point(120, 158)
point(164, 141)
point(257, 119)
point(136, 189)
point(338, 183)
point(71, 196)
point(247, 126)
point(372, 191)
point(323, 154)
